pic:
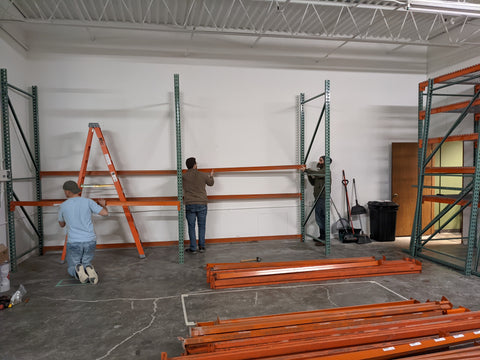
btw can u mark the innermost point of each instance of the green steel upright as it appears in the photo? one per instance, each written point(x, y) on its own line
point(178, 128)
point(301, 161)
point(38, 182)
point(328, 180)
point(10, 195)
point(325, 114)
point(7, 163)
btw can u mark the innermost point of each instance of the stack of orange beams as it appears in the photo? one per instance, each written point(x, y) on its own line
point(378, 331)
point(233, 275)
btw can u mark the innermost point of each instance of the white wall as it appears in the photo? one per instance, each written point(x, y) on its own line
point(231, 116)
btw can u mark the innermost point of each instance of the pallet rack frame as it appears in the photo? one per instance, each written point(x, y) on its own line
point(7, 107)
point(325, 114)
point(469, 193)
point(169, 201)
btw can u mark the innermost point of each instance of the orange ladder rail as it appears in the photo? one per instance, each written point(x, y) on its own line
point(95, 128)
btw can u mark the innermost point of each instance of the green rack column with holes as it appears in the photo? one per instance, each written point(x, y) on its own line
point(178, 128)
point(301, 161)
point(325, 114)
point(10, 195)
point(7, 163)
point(38, 182)
point(328, 179)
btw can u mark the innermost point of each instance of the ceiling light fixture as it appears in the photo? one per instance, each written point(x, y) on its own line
point(452, 8)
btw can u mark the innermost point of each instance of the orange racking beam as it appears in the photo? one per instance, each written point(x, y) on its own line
point(390, 267)
point(443, 78)
point(447, 108)
point(170, 172)
point(322, 311)
point(309, 319)
point(444, 199)
point(226, 267)
point(450, 170)
point(109, 202)
point(229, 274)
point(414, 347)
point(321, 334)
point(156, 201)
point(387, 307)
point(471, 353)
point(456, 322)
point(350, 349)
point(465, 137)
point(193, 344)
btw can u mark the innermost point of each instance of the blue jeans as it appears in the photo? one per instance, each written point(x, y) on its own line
point(320, 216)
point(79, 253)
point(196, 212)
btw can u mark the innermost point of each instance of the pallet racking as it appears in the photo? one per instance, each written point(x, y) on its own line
point(178, 200)
point(7, 176)
point(437, 100)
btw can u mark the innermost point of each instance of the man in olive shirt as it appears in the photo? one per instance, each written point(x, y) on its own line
point(195, 199)
point(316, 177)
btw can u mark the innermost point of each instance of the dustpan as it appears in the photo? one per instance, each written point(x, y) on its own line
point(357, 209)
point(343, 227)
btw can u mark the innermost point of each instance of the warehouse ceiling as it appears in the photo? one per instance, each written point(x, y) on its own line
point(341, 34)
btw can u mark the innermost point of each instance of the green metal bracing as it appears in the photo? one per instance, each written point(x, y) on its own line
point(301, 161)
point(178, 128)
point(7, 158)
point(328, 178)
point(38, 182)
point(327, 188)
point(468, 195)
point(418, 213)
point(423, 129)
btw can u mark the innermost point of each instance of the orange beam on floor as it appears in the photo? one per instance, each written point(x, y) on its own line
point(451, 323)
point(299, 319)
point(200, 343)
point(381, 267)
point(212, 267)
point(322, 333)
point(321, 311)
point(413, 347)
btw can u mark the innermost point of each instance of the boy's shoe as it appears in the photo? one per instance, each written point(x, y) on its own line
point(92, 274)
point(188, 250)
point(201, 249)
point(81, 274)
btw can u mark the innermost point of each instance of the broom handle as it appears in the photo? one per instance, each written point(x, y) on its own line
point(345, 183)
point(355, 191)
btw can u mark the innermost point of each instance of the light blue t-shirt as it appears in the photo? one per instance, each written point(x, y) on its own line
point(77, 212)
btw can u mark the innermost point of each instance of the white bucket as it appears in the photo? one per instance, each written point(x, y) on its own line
point(4, 277)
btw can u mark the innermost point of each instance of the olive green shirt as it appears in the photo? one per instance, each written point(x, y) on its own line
point(317, 179)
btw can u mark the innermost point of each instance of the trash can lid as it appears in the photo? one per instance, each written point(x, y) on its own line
point(384, 203)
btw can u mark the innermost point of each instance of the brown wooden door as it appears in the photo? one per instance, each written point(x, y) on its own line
point(404, 178)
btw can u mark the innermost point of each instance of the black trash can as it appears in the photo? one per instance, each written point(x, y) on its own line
point(383, 219)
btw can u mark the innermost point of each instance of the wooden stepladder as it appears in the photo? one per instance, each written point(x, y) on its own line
point(95, 128)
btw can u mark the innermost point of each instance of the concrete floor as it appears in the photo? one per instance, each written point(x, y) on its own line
point(141, 306)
